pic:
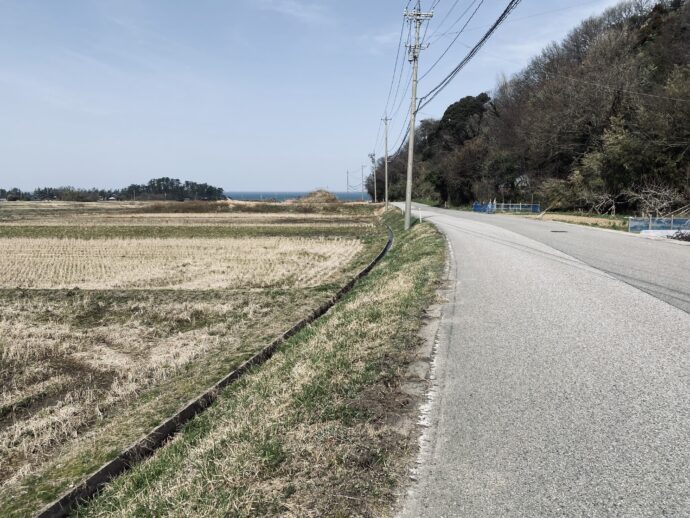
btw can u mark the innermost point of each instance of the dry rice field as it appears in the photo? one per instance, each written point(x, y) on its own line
point(102, 337)
point(187, 219)
point(233, 263)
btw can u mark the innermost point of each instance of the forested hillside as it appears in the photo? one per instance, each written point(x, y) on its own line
point(599, 122)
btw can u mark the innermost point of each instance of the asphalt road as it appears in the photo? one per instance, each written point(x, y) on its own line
point(562, 376)
point(658, 267)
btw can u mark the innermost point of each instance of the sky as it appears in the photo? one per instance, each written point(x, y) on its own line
point(266, 95)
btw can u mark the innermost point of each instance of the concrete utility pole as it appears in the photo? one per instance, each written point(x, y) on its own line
point(418, 17)
point(362, 182)
point(372, 157)
point(386, 120)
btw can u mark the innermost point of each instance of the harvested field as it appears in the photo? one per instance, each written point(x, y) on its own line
point(323, 429)
point(191, 219)
point(172, 263)
point(106, 329)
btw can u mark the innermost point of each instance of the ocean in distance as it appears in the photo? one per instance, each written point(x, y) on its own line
point(287, 195)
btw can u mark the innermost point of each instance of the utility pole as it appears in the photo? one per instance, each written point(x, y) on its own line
point(386, 120)
point(362, 182)
point(418, 17)
point(372, 157)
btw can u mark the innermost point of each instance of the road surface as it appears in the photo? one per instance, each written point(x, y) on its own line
point(562, 377)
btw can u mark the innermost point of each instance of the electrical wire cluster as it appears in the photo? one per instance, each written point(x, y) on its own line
point(453, 22)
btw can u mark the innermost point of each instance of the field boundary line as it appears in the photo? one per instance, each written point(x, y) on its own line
point(156, 438)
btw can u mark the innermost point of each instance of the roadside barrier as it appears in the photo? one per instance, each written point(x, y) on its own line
point(637, 225)
point(147, 445)
point(492, 207)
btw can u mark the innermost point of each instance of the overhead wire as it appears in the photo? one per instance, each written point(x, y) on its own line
point(426, 27)
point(397, 71)
point(599, 85)
point(402, 68)
point(456, 37)
point(431, 95)
point(400, 139)
point(618, 89)
point(527, 17)
point(443, 20)
point(395, 67)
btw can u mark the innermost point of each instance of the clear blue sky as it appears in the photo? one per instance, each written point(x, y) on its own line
point(244, 94)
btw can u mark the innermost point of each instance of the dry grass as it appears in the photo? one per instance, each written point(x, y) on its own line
point(172, 263)
point(154, 321)
point(189, 219)
point(595, 221)
point(60, 373)
point(318, 196)
point(35, 211)
point(309, 433)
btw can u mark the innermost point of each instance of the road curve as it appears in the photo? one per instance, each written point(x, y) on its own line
point(658, 267)
point(560, 389)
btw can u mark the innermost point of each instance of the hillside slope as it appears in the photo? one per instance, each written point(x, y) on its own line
point(597, 122)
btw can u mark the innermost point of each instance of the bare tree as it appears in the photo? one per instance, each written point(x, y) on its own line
point(654, 198)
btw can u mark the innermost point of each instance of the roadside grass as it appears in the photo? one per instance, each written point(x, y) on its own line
point(85, 372)
point(600, 221)
point(314, 431)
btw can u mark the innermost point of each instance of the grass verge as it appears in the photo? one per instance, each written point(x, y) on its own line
point(313, 431)
point(600, 221)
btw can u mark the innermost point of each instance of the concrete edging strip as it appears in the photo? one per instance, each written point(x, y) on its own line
point(147, 445)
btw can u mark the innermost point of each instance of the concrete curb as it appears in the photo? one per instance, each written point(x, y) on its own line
point(147, 445)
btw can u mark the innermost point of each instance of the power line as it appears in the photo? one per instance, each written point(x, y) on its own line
point(426, 28)
point(528, 17)
point(402, 68)
point(397, 61)
point(512, 4)
point(400, 140)
point(443, 20)
point(395, 70)
point(401, 71)
point(397, 90)
point(618, 89)
point(456, 37)
point(402, 98)
point(600, 85)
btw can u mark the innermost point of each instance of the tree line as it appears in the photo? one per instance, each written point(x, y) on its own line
point(156, 189)
point(599, 122)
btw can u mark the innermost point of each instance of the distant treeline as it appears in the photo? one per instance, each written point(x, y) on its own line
point(157, 189)
point(598, 122)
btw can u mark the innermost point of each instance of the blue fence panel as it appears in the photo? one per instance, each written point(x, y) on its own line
point(490, 207)
point(487, 208)
point(637, 225)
